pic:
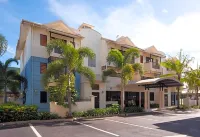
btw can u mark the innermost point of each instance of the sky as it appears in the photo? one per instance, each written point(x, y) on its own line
point(169, 25)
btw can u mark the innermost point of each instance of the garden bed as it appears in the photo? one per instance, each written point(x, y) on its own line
point(11, 112)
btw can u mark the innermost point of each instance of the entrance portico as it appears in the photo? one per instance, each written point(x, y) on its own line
point(158, 84)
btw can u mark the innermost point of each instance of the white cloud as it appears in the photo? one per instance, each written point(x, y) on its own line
point(137, 21)
point(164, 11)
point(10, 50)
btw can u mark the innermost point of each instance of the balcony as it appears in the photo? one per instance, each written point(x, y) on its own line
point(152, 67)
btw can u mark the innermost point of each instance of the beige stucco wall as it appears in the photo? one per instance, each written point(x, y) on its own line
point(26, 53)
point(83, 105)
point(86, 92)
point(78, 106)
point(92, 39)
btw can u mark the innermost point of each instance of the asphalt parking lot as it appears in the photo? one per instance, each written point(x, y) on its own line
point(147, 125)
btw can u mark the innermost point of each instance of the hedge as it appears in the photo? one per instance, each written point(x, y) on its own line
point(13, 112)
point(114, 109)
point(154, 105)
point(133, 109)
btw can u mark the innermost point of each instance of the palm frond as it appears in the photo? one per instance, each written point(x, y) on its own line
point(88, 73)
point(115, 57)
point(3, 45)
point(127, 73)
point(86, 52)
point(55, 43)
point(9, 61)
point(138, 68)
point(130, 54)
point(11, 73)
point(108, 72)
point(54, 68)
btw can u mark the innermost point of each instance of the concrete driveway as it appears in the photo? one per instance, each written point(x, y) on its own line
point(147, 125)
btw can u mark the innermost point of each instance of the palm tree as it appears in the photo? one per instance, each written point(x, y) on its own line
point(192, 78)
point(123, 67)
point(71, 60)
point(9, 79)
point(178, 65)
point(3, 45)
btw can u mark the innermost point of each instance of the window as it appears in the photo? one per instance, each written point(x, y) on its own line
point(112, 95)
point(43, 97)
point(95, 87)
point(148, 59)
point(57, 50)
point(92, 62)
point(43, 67)
point(43, 40)
point(151, 96)
point(141, 59)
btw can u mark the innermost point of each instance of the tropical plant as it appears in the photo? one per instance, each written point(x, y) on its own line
point(71, 61)
point(192, 78)
point(3, 45)
point(10, 79)
point(179, 65)
point(124, 68)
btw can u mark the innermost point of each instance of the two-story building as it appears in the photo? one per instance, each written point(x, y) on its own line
point(141, 91)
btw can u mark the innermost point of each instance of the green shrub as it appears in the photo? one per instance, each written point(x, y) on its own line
point(154, 105)
point(47, 116)
point(133, 109)
point(114, 109)
point(183, 107)
point(195, 107)
point(14, 112)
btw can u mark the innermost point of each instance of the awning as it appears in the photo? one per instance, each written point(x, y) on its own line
point(158, 83)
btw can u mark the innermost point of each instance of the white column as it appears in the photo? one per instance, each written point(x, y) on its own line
point(148, 93)
point(139, 99)
point(145, 100)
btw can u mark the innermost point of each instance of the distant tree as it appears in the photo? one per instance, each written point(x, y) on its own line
point(123, 67)
point(10, 79)
point(70, 61)
point(3, 45)
point(179, 65)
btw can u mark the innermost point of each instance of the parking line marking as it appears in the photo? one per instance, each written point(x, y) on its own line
point(177, 136)
point(131, 124)
point(34, 130)
point(97, 129)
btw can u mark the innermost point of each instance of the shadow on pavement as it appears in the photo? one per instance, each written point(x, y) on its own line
point(148, 113)
point(190, 127)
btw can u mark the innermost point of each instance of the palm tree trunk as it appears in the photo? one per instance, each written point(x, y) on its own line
point(69, 98)
point(5, 93)
point(69, 103)
point(197, 96)
point(122, 97)
point(178, 98)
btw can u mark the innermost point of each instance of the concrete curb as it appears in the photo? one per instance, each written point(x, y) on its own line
point(102, 117)
point(34, 122)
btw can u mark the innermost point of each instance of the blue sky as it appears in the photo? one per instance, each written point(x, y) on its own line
point(168, 24)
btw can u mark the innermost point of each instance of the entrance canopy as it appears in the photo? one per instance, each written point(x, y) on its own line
point(159, 83)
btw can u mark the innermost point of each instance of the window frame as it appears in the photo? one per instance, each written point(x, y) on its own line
point(152, 96)
point(42, 71)
point(43, 40)
point(92, 62)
